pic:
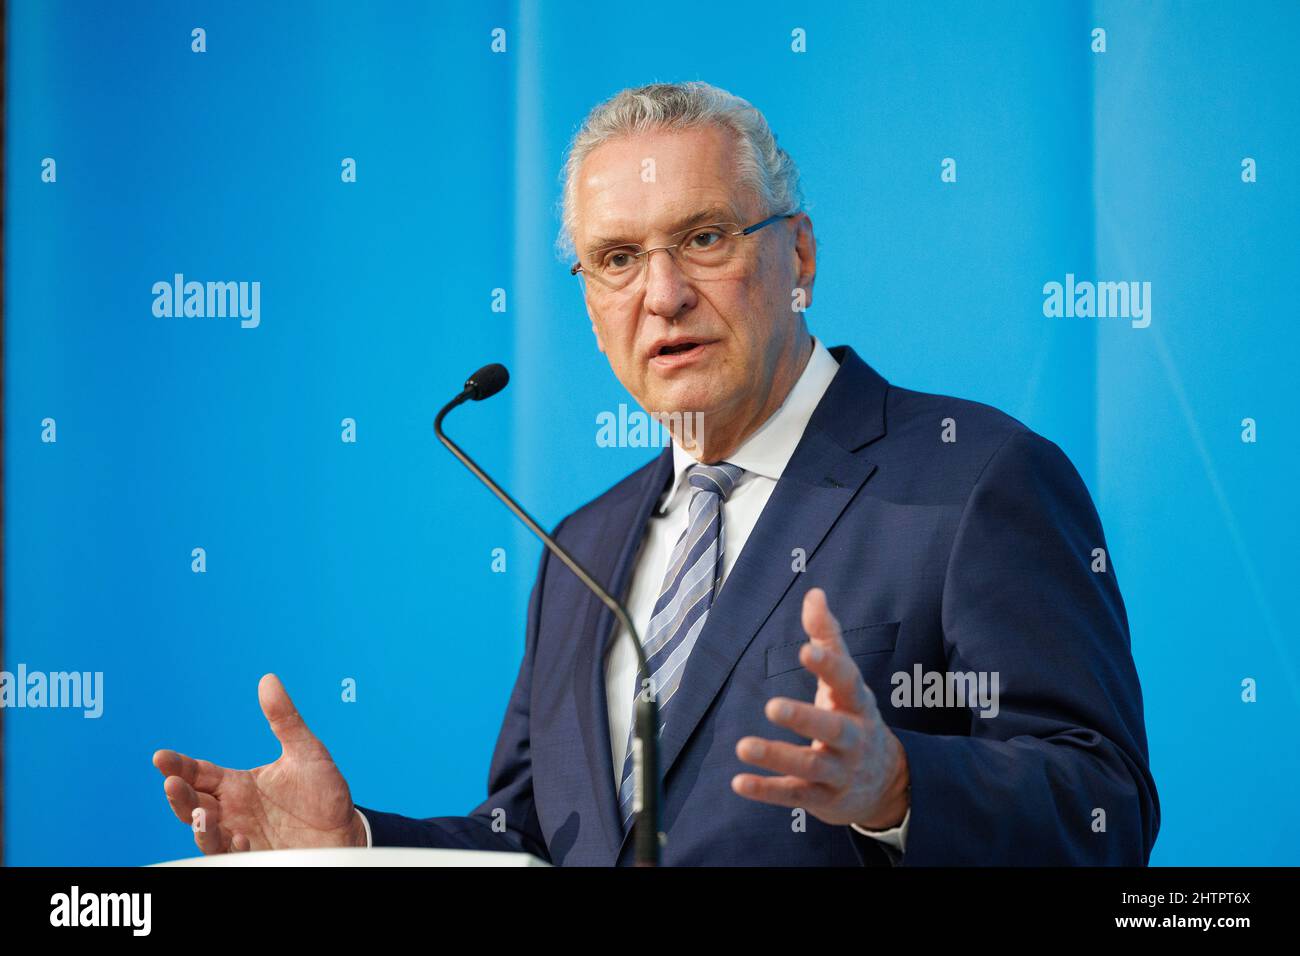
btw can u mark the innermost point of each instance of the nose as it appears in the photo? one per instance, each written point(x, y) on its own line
point(667, 289)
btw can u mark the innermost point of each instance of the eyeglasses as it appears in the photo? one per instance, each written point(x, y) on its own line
point(702, 252)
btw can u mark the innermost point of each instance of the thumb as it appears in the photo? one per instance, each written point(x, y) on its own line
point(818, 621)
point(286, 723)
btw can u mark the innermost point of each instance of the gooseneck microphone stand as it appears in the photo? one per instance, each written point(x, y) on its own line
point(485, 383)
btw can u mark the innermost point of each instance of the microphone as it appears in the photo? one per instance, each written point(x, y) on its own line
point(485, 383)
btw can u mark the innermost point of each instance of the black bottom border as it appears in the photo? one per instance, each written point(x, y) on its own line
point(334, 904)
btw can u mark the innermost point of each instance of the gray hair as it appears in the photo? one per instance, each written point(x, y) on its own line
point(762, 167)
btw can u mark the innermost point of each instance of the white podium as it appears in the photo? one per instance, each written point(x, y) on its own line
point(362, 856)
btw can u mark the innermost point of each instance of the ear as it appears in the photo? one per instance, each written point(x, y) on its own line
point(805, 250)
point(595, 330)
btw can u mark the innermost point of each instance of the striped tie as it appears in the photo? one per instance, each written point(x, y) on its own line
point(684, 601)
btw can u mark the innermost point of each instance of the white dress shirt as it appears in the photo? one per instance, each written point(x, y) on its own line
point(764, 456)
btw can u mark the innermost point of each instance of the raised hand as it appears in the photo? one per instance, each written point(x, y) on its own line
point(300, 800)
point(855, 769)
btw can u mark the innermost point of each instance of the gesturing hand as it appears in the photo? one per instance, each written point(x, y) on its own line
point(300, 800)
point(855, 769)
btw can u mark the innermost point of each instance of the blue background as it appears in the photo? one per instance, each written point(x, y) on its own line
point(372, 560)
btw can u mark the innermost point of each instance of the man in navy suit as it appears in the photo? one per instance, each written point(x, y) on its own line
point(882, 625)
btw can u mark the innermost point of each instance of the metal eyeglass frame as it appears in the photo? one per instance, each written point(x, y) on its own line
point(577, 267)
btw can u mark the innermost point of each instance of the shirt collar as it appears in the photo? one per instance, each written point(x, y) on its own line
point(768, 450)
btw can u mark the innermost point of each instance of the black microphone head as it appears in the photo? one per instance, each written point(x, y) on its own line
point(487, 381)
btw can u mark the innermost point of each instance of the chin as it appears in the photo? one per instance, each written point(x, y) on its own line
point(685, 397)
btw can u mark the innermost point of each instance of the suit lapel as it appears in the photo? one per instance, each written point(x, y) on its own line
point(822, 477)
point(618, 546)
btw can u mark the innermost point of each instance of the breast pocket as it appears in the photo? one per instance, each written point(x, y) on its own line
point(863, 643)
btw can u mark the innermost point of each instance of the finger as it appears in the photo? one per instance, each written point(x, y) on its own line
point(210, 836)
point(832, 728)
point(781, 791)
point(201, 774)
point(185, 801)
point(240, 844)
point(815, 766)
point(827, 648)
point(286, 723)
point(834, 667)
point(818, 621)
point(211, 841)
point(181, 797)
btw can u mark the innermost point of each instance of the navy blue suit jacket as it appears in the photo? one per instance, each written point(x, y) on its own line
point(968, 555)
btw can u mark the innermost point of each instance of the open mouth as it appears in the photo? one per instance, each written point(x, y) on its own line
point(678, 348)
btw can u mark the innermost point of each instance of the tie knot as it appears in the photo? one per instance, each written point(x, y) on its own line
point(720, 479)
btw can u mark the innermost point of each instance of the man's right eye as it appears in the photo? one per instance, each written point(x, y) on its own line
point(616, 260)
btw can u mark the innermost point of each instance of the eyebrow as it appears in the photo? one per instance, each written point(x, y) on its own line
point(707, 215)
